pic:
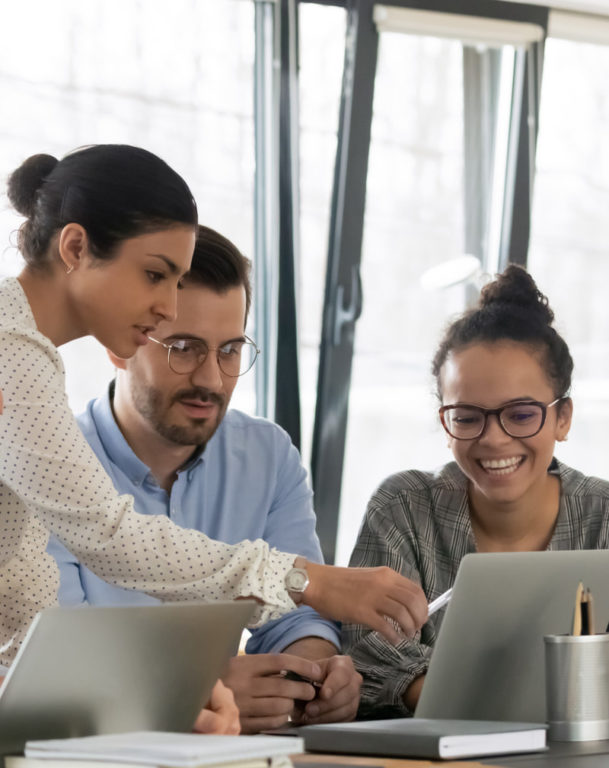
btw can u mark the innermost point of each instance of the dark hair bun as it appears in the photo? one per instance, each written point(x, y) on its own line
point(511, 308)
point(24, 183)
point(515, 286)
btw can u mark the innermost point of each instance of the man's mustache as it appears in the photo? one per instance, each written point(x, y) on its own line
point(199, 393)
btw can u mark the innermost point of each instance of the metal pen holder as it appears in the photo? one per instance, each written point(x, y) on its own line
point(577, 687)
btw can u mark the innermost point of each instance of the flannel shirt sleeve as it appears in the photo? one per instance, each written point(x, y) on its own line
point(387, 670)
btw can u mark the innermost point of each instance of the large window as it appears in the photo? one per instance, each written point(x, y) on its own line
point(434, 192)
point(569, 251)
point(321, 54)
point(414, 220)
point(176, 78)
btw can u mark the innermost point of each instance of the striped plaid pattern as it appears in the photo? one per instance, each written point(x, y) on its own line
point(418, 523)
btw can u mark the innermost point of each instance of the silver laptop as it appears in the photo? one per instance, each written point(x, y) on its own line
point(488, 661)
point(91, 670)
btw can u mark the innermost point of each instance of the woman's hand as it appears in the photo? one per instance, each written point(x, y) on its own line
point(378, 597)
point(413, 692)
point(221, 715)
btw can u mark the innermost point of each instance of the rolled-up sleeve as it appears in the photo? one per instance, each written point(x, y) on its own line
point(290, 525)
point(387, 670)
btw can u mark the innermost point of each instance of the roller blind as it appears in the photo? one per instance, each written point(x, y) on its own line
point(472, 30)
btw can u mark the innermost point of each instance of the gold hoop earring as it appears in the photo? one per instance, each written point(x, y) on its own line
point(70, 269)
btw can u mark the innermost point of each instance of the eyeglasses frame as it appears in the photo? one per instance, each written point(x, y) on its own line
point(168, 347)
point(486, 412)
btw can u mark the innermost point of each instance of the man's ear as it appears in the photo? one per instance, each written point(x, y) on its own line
point(73, 245)
point(117, 362)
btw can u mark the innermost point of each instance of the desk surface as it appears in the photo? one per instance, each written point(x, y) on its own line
point(562, 754)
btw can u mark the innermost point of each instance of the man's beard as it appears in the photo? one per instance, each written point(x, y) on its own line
point(149, 403)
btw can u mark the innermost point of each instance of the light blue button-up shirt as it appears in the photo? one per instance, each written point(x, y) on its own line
point(249, 483)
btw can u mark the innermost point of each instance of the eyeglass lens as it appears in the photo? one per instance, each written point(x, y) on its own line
point(518, 420)
point(234, 358)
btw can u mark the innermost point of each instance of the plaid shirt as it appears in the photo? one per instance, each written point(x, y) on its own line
point(418, 524)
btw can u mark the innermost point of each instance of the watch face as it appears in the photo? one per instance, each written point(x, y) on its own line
point(297, 580)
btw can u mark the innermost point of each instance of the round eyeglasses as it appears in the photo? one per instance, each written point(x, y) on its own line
point(234, 358)
point(521, 419)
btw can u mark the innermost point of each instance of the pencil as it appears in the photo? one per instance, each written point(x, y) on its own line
point(577, 611)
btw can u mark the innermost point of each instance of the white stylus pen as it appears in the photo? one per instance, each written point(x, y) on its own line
point(439, 602)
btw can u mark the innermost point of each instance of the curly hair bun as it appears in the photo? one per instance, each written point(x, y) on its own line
point(516, 286)
point(25, 181)
point(511, 308)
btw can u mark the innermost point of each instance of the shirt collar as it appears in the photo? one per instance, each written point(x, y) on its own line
point(196, 458)
point(115, 445)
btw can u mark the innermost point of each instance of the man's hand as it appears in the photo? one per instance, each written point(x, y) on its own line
point(221, 715)
point(264, 697)
point(377, 597)
point(338, 698)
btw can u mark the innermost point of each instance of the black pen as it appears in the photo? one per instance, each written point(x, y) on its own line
point(287, 674)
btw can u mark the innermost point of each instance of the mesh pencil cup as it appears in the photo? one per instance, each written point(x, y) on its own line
point(577, 687)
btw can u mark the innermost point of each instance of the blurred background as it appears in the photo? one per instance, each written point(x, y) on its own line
point(376, 162)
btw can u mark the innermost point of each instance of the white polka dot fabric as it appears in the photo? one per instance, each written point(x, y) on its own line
point(50, 480)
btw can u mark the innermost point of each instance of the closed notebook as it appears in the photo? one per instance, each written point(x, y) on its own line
point(166, 750)
point(418, 737)
point(13, 761)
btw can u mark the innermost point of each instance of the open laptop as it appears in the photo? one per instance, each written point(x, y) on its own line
point(91, 670)
point(488, 661)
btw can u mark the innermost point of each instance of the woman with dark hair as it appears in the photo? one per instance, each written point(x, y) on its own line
point(503, 378)
point(108, 235)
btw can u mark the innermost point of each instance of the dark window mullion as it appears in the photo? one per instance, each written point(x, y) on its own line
point(287, 392)
point(520, 173)
point(342, 302)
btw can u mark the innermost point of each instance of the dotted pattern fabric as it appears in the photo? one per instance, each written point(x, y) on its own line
point(50, 480)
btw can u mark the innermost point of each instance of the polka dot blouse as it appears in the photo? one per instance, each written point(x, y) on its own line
point(50, 480)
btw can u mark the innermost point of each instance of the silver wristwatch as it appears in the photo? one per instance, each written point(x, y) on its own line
point(296, 581)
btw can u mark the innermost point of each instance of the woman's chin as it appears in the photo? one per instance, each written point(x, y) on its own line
point(121, 348)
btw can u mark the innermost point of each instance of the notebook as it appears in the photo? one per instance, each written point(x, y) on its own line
point(171, 750)
point(488, 661)
point(95, 670)
point(434, 739)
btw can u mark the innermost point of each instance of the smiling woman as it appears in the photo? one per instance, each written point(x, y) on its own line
point(503, 377)
point(109, 233)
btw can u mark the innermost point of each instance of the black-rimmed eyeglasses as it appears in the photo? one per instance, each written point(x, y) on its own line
point(234, 358)
point(521, 419)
